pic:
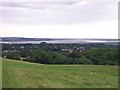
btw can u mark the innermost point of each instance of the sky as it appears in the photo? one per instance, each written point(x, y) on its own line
point(59, 18)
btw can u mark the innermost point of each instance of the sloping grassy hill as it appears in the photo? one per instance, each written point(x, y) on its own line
point(19, 74)
point(0, 72)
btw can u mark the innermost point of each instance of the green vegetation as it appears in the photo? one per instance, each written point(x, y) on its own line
point(0, 72)
point(44, 53)
point(20, 74)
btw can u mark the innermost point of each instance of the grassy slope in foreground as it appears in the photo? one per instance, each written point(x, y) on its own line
point(18, 74)
point(0, 73)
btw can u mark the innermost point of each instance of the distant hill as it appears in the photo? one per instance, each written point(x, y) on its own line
point(23, 39)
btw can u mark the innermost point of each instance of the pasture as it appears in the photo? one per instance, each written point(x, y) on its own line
point(20, 74)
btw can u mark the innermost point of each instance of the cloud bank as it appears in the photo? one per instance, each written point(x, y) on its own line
point(77, 18)
point(58, 12)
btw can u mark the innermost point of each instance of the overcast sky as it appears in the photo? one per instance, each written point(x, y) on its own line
point(59, 18)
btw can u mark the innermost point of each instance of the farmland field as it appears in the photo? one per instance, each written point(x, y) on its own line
point(20, 74)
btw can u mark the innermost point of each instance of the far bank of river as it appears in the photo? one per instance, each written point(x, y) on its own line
point(59, 41)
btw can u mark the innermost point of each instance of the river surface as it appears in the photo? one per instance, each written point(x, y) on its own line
point(60, 41)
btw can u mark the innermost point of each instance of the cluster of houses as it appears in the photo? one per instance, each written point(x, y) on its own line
point(11, 51)
point(81, 49)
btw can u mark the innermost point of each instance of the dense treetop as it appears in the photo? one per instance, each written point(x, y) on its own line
point(98, 54)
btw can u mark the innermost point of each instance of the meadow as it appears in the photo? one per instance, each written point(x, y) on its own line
point(0, 72)
point(21, 74)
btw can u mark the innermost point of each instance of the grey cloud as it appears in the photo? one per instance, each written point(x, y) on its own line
point(58, 12)
point(34, 5)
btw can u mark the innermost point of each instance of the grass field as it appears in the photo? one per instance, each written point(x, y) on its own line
point(0, 73)
point(19, 74)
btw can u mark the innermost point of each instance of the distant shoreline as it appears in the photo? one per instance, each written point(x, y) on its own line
point(21, 40)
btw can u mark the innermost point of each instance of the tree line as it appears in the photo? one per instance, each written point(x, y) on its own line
point(51, 53)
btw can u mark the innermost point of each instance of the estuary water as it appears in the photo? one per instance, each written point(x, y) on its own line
point(60, 41)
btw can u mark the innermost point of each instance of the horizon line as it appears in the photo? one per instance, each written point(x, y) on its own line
point(57, 38)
